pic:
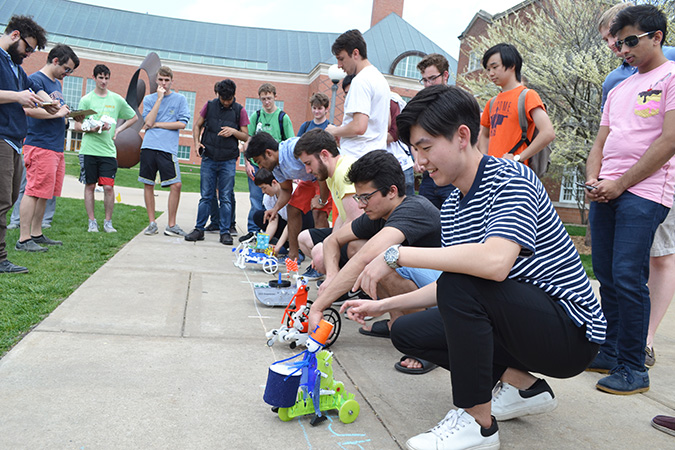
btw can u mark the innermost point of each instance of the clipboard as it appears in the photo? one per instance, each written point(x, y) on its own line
point(81, 112)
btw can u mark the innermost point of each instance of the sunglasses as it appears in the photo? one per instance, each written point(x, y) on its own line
point(632, 41)
point(67, 70)
point(29, 49)
point(363, 198)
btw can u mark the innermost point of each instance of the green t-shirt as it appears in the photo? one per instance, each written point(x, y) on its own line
point(269, 123)
point(112, 105)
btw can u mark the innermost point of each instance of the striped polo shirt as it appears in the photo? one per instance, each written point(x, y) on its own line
point(507, 200)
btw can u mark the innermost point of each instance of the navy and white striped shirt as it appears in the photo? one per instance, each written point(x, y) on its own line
point(507, 200)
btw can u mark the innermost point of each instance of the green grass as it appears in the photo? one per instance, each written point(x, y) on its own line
point(578, 230)
point(26, 299)
point(189, 174)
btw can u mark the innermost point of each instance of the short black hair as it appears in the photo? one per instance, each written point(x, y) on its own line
point(101, 69)
point(64, 54)
point(348, 41)
point(647, 18)
point(259, 143)
point(27, 27)
point(381, 168)
point(510, 57)
point(346, 81)
point(226, 89)
point(263, 176)
point(313, 141)
point(440, 110)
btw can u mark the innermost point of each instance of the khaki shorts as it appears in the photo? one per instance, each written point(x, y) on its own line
point(664, 239)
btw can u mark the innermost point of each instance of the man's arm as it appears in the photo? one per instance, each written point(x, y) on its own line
point(26, 98)
point(356, 127)
point(197, 135)
point(544, 137)
point(151, 117)
point(659, 153)
point(241, 134)
point(351, 208)
point(127, 123)
point(39, 113)
point(484, 139)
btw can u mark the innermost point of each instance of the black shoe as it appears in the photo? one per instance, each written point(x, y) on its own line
point(226, 239)
point(233, 230)
point(195, 235)
point(247, 236)
point(212, 227)
point(44, 240)
point(8, 267)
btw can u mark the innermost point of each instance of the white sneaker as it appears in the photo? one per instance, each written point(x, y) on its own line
point(458, 430)
point(93, 226)
point(152, 229)
point(108, 228)
point(509, 402)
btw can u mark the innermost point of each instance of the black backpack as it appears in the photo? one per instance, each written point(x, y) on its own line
point(540, 162)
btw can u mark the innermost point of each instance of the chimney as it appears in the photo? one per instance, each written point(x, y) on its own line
point(382, 8)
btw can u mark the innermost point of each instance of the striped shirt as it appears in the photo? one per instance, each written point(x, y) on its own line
point(507, 200)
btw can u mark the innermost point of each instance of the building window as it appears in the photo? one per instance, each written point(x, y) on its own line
point(72, 91)
point(407, 67)
point(191, 100)
point(474, 62)
point(184, 151)
point(570, 191)
point(254, 104)
point(73, 140)
point(91, 85)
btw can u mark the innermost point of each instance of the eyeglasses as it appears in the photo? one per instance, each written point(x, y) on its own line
point(67, 70)
point(430, 79)
point(29, 49)
point(364, 198)
point(631, 41)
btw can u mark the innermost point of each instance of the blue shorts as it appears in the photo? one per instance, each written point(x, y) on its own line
point(421, 277)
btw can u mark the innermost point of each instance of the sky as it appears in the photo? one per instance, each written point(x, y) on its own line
point(440, 20)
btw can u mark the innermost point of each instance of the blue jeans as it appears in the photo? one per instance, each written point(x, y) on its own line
point(622, 232)
point(255, 196)
point(216, 175)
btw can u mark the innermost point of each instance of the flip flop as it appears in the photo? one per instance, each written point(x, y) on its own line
point(427, 366)
point(378, 329)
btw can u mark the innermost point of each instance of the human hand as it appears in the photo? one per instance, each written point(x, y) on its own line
point(608, 190)
point(250, 170)
point(160, 92)
point(508, 156)
point(314, 317)
point(376, 270)
point(314, 204)
point(358, 310)
point(270, 214)
point(28, 99)
point(331, 129)
point(52, 108)
point(226, 131)
point(63, 111)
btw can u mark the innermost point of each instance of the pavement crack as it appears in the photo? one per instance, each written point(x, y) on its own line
point(187, 300)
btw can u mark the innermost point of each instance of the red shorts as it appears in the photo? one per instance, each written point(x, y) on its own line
point(303, 195)
point(45, 170)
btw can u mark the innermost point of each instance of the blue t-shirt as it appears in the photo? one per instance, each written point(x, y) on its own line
point(290, 168)
point(310, 125)
point(174, 108)
point(507, 200)
point(47, 133)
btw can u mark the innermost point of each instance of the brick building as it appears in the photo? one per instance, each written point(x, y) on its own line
point(201, 54)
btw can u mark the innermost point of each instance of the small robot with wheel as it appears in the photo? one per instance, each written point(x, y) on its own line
point(256, 250)
point(307, 386)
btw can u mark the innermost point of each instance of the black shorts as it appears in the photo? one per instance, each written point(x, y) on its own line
point(153, 161)
point(99, 169)
point(318, 235)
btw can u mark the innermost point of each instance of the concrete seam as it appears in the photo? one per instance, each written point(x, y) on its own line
point(187, 299)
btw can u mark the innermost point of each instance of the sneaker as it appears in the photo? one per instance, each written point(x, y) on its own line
point(602, 363)
point(311, 274)
point(212, 227)
point(650, 356)
point(174, 231)
point(93, 226)
point(152, 229)
point(509, 402)
point(625, 381)
point(233, 230)
point(247, 236)
point(456, 431)
point(46, 226)
point(108, 228)
point(14, 226)
point(226, 239)
point(8, 267)
point(195, 235)
point(29, 246)
point(665, 424)
point(44, 240)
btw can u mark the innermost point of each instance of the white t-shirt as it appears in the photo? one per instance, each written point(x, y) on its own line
point(269, 202)
point(397, 148)
point(369, 95)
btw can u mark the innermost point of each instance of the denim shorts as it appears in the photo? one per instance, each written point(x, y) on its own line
point(421, 277)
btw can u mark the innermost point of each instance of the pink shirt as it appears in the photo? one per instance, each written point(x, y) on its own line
point(634, 113)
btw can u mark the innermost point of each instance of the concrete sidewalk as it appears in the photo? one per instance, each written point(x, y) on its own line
point(164, 348)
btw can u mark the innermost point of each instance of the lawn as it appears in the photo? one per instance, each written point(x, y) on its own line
point(577, 230)
point(129, 177)
point(26, 299)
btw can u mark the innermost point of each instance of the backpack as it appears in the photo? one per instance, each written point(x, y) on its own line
point(540, 162)
point(281, 122)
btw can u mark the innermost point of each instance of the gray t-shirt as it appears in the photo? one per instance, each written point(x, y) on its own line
point(416, 217)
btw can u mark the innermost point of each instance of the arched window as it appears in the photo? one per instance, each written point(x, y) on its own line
point(406, 65)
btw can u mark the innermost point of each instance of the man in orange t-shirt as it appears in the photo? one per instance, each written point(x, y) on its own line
point(500, 131)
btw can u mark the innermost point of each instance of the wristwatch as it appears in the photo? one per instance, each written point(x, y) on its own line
point(391, 256)
point(322, 203)
point(516, 158)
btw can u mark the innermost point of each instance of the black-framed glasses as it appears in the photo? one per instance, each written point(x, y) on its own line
point(430, 79)
point(67, 70)
point(29, 49)
point(631, 41)
point(364, 198)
